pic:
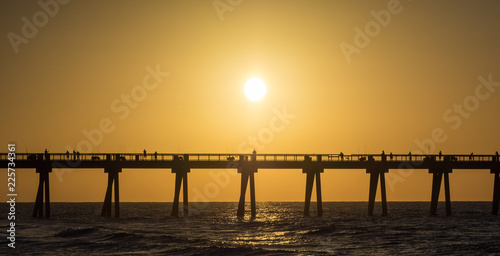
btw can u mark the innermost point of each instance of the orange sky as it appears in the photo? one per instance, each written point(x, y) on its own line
point(168, 76)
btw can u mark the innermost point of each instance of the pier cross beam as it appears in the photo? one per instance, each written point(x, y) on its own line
point(181, 169)
point(437, 176)
point(376, 172)
point(43, 170)
point(112, 179)
point(313, 170)
point(247, 170)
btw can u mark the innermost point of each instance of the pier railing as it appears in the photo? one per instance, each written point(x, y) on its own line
point(247, 157)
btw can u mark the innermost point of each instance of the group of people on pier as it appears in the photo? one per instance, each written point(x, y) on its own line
point(440, 155)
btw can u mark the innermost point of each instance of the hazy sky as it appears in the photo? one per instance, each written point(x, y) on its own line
point(168, 76)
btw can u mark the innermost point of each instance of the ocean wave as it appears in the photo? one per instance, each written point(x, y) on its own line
point(73, 232)
point(174, 239)
point(122, 236)
point(322, 231)
point(246, 250)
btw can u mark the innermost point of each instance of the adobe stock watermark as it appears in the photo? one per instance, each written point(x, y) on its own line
point(454, 116)
point(223, 6)
point(122, 106)
point(221, 179)
point(30, 28)
point(363, 36)
point(266, 135)
point(12, 194)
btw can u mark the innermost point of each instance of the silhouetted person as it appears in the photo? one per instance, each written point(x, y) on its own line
point(471, 156)
point(78, 155)
point(254, 157)
point(46, 154)
point(440, 154)
point(341, 156)
point(156, 155)
point(409, 155)
point(496, 153)
point(74, 155)
point(67, 154)
point(390, 156)
point(144, 153)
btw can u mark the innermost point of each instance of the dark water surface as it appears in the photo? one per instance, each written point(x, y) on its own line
point(279, 229)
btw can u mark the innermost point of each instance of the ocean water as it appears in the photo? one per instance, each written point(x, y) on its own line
point(278, 229)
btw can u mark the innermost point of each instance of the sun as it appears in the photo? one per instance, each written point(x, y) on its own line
point(255, 89)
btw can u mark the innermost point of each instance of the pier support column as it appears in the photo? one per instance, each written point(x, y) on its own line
point(180, 179)
point(245, 176)
point(437, 177)
point(375, 173)
point(436, 186)
point(447, 193)
point(319, 200)
point(252, 196)
point(181, 169)
point(247, 169)
point(43, 185)
point(309, 187)
point(496, 191)
point(112, 179)
point(311, 174)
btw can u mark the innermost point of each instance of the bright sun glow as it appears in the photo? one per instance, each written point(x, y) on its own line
point(255, 89)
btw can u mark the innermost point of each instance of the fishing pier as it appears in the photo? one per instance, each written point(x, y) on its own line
point(376, 165)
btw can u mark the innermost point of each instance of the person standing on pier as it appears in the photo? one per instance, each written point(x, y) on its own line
point(496, 153)
point(440, 154)
point(341, 156)
point(471, 156)
point(254, 156)
point(409, 155)
point(144, 153)
point(67, 154)
point(156, 155)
